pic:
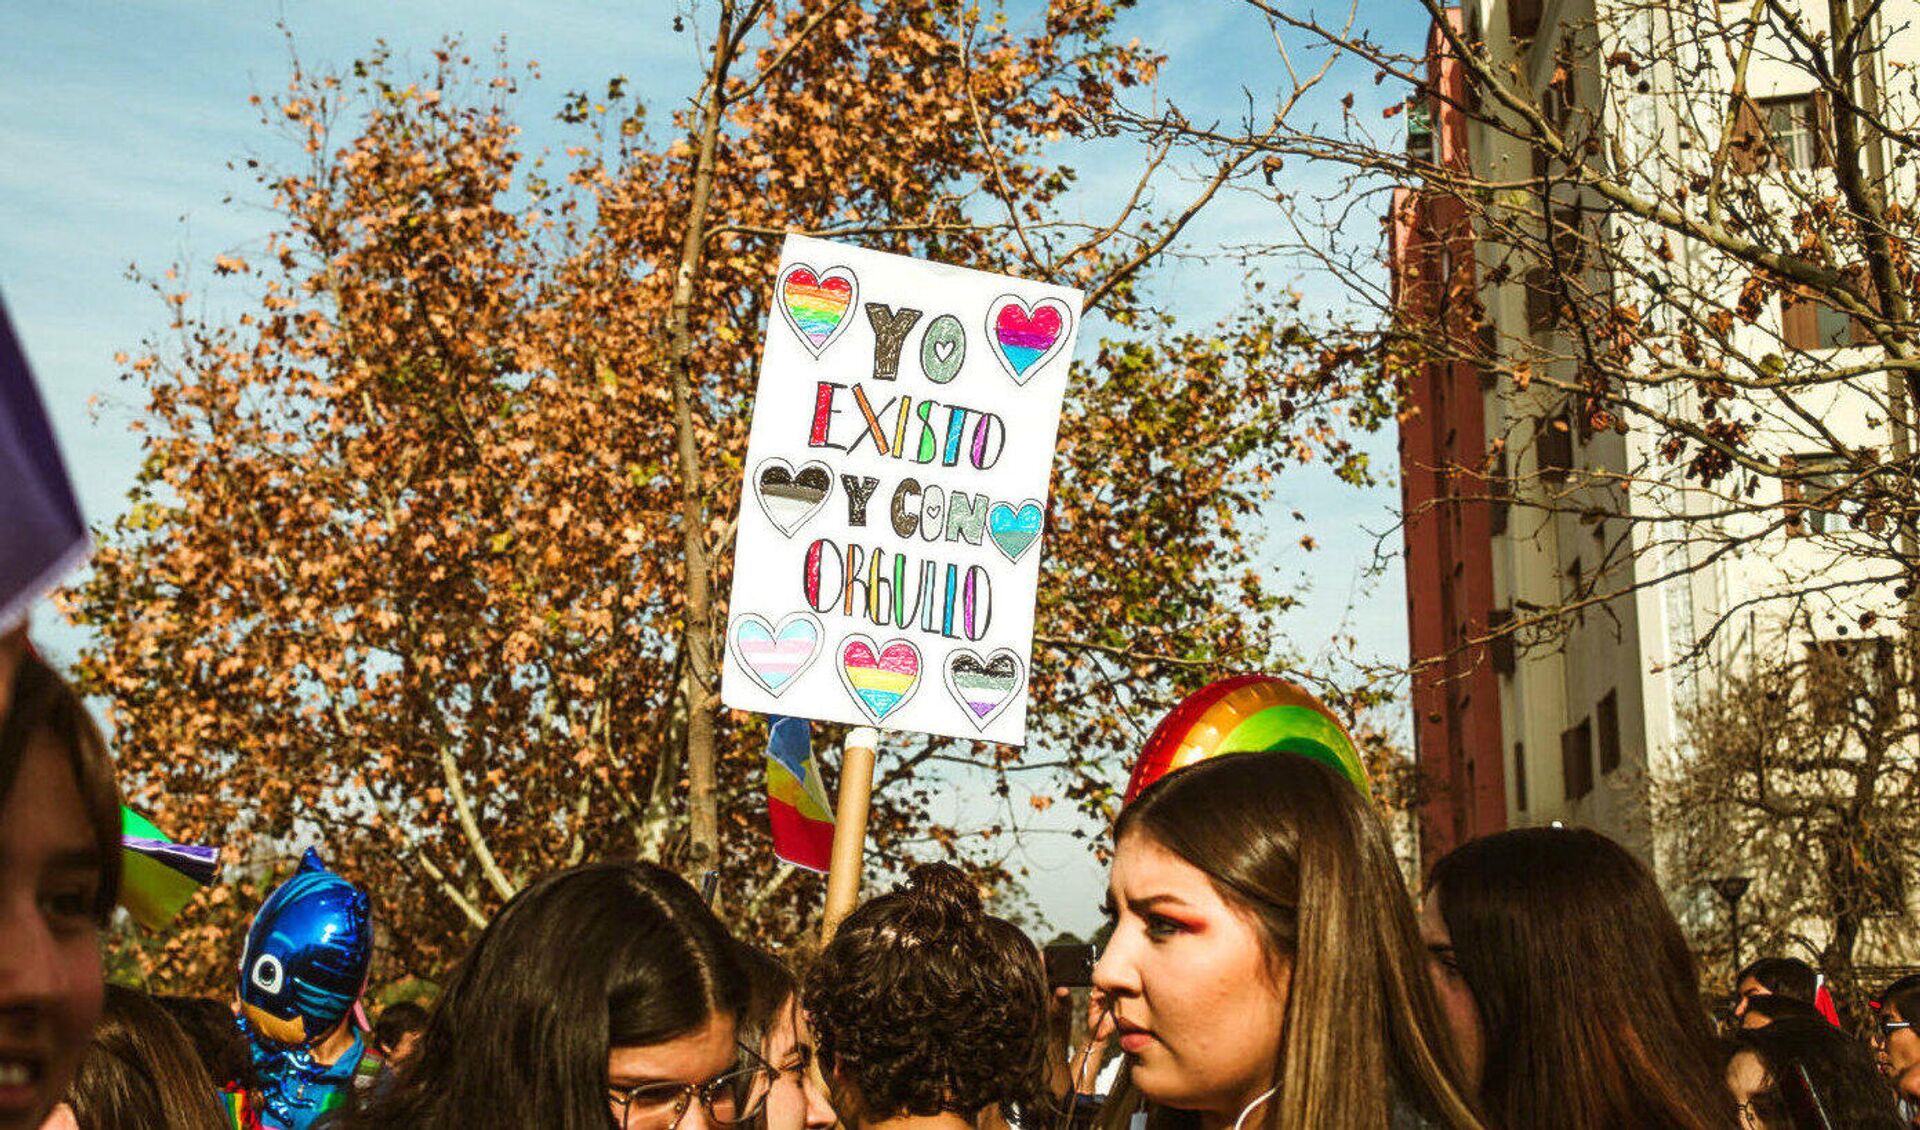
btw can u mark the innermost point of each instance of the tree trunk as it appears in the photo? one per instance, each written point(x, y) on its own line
point(701, 686)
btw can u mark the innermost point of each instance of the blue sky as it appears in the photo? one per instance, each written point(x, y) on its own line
point(118, 121)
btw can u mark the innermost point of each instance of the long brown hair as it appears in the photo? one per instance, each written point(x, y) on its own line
point(1291, 843)
point(141, 1073)
point(1586, 988)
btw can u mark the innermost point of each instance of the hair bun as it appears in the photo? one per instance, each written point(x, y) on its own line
point(945, 886)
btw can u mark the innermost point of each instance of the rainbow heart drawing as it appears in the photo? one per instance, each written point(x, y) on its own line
point(880, 677)
point(1014, 530)
point(817, 304)
point(984, 688)
point(1026, 337)
point(775, 656)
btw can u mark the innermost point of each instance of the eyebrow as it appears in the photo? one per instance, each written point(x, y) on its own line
point(76, 859)
point(1153, 901)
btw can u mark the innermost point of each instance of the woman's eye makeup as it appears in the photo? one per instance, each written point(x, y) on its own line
point(1160, 926)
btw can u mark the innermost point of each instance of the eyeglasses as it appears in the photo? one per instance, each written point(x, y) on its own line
point(1889, 1027)
point(727, 1099)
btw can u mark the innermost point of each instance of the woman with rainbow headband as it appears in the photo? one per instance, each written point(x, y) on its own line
point(1264, 968)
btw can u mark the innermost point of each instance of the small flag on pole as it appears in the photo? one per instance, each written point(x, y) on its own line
point(42, 536)
point(158, 876)
point(797, 804)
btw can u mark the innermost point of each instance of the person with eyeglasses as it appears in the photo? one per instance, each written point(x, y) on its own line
point(1895, 1009)
point(602, 996)
point(1812, 1055)
point(775, 1025)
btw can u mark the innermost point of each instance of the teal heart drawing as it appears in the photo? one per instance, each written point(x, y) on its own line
point(1014, 530)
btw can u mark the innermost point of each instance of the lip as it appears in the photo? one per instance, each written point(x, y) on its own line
point(20, 1099)
point(1132, 1037)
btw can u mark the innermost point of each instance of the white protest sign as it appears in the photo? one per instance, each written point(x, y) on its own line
point(890, 532)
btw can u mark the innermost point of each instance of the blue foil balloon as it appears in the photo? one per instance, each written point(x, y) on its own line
point(306, 958)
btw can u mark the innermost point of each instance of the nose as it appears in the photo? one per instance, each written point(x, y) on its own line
point(1116, 975)
point(820, 1113)
point(696, 1117)
point(30, 970)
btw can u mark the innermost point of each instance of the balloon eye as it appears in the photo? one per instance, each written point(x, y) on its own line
point(268, 975)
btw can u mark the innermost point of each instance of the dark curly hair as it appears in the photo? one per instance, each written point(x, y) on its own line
point(924, 1004)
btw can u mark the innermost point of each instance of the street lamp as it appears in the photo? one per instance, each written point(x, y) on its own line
point(1731, 890)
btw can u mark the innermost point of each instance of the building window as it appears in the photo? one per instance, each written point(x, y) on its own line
point(1541, 300)
point(1500, 491)
point(1808, 323)
point(1576, 759)
point(1520, 775)
point(1500, 647)
point(1787, 133)
point(1523, 18)
point(1607, 718)
point(1812, 495)
point(1796, 130)
point(1420, 131)
point(1553, 441)
point(1848, 678)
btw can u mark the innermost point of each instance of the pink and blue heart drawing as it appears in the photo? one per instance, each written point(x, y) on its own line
point(774, 656)
point(1025, 337)
point(1015, 529)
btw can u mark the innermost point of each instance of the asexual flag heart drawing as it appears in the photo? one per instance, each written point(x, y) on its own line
point(984, 687)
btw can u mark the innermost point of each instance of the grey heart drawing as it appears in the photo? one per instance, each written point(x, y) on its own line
point(790, 497)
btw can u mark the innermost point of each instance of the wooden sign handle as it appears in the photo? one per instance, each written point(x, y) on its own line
point(849, 827)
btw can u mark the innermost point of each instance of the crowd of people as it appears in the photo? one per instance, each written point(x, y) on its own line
point(1266, 968)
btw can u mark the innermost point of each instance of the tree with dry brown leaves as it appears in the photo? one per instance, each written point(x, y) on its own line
point(424, 556)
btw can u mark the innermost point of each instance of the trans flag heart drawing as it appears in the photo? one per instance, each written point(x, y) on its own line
point(775, 656)
point(881, 678)
point(984, 688)
point(1014, 530)
point(1025, 338)
point(817, 304)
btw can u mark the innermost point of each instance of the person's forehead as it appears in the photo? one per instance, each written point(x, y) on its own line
point(691, 1058)
point(1142, 858)
point(43, 815)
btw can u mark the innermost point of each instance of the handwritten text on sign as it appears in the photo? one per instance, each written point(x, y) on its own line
point(897, 472)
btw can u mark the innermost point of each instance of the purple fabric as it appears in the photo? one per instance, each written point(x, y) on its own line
point(42, 535)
